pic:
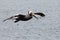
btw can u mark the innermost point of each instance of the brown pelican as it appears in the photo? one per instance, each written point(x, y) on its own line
point(27, 17)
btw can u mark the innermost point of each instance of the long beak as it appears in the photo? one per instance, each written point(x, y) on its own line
point(35, 16)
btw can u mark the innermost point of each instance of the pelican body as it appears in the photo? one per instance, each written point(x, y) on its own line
point(23, 17)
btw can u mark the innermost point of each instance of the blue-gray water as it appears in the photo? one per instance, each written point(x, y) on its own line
point(46, 28)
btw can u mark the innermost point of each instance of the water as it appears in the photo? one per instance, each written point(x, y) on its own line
point(46, 28)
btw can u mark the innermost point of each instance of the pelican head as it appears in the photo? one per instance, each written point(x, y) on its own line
point(29, 12)
point(32, 14)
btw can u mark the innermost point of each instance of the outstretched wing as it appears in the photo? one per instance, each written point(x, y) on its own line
point(16, 16)
point(41, 14)
point(8, 19)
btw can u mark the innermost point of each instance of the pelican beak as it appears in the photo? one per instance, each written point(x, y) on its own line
point(35, 16)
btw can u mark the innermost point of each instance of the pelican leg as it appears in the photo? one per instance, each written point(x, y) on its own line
point(16, 20)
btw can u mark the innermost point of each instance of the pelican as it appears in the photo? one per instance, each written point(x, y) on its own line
point(27, 17)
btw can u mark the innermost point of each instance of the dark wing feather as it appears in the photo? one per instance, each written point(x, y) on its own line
point(8, 19)
point(41, 14)
point(18, 16)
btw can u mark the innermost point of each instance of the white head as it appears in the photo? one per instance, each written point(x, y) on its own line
point(32, 14)
point(29, 12)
